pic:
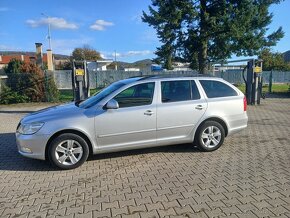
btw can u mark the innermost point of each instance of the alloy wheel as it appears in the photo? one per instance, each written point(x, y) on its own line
point(211, 136)
point(68, 152)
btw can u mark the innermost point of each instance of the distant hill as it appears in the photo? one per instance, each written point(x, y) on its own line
point(141, 64)
point(137, 64)
point(56, 56)
point(286, 55)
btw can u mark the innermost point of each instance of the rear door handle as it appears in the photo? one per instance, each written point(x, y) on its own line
point(148, 113)
point(199, 107)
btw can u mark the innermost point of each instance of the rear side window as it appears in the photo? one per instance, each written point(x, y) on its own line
point(216, 89)
point(181, 90)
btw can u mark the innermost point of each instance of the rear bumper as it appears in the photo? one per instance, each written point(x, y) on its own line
point(235, 130)
point(32, 146)
point(238, 125)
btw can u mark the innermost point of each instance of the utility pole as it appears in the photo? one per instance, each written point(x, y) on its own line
point(50, 64)
point(49, 34)
point(116, 67)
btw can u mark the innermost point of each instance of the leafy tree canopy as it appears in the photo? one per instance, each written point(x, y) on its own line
point(86, 53)
point(208, 30)
point(14, 66)
point(273, 60)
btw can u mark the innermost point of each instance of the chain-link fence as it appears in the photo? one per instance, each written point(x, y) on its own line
point(46, 88)
point(99, 79)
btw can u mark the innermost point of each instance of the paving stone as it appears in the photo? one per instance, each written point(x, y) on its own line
point(119, 211)
point(110, 205)
point(166, 212)
point(103, 213)
point(127, 203)
point(154, 206)
point(137, 209)
point(150, 214)
point(249, 176)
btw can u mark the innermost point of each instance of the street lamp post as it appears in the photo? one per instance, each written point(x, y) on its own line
point(49, 35)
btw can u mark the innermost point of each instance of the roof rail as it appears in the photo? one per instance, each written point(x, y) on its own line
point(160, 76)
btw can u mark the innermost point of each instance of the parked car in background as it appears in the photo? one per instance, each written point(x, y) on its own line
point(135, 113)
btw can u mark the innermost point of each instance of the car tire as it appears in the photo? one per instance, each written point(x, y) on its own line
point(210, 136)
point(68, 151)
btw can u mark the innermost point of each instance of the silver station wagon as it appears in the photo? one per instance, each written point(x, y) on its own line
point(135, 113)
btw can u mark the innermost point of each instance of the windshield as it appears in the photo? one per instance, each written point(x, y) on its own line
point(93, 100)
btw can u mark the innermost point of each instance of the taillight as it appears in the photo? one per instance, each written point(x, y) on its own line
point(245, 103)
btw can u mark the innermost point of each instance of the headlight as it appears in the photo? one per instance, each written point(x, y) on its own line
point(29, 128)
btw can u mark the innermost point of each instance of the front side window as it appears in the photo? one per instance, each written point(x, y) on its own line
point(138, 95)
point(173, 91)
point(216, 89)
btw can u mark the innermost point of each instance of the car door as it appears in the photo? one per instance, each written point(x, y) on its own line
point(180, 108)
point(133, 124)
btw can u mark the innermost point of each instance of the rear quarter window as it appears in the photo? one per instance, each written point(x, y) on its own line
point(216, 89)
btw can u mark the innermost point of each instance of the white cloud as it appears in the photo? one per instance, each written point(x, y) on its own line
point(137, 53)
point(2, 9)
point(126, 54)
point(55, 22)
point(100, 25)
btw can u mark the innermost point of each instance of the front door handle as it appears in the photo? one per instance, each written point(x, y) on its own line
point(199, 107)
point(148, 113)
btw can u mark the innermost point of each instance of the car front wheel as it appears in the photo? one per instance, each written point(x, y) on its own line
point(68, 151)
point(210, 136)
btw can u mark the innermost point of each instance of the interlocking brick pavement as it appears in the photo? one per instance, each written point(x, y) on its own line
point(249, 176)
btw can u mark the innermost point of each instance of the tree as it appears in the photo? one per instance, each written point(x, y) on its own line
point(25, 82)
point(273, 60)
point(33, 82)
point(64, 65)
point(208, 30)
point(86, 53)
point(12, 70)
point(167, 21)
point(13, 66)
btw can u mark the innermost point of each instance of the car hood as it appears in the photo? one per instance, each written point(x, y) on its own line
point(55, 112)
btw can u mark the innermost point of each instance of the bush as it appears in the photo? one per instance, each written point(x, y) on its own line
point(33, 82)
point(11, 97)
point(51, 91)
point(26, 83)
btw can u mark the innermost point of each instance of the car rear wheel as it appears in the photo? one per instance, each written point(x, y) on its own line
point(210, 136)
point(68, 151)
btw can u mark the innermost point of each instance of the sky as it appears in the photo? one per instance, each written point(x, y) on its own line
point(105, 25)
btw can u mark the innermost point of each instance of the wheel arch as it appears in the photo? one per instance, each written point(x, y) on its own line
point(217, 119)
point(73, 131)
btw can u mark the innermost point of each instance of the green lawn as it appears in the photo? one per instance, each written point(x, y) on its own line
point(276, 88)
point(67, 95)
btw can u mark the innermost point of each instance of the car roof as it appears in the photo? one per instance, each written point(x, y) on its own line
point(176, 77)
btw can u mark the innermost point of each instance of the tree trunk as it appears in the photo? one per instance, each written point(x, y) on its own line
point(202, 57)
point(168, 62)
point(202, 53)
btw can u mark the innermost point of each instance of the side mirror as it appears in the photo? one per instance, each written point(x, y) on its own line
point(112, 104)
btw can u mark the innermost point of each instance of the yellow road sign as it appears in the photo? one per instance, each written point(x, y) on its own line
point(80, 72)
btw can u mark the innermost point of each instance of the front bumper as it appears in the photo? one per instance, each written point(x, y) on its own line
point(32, 146)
